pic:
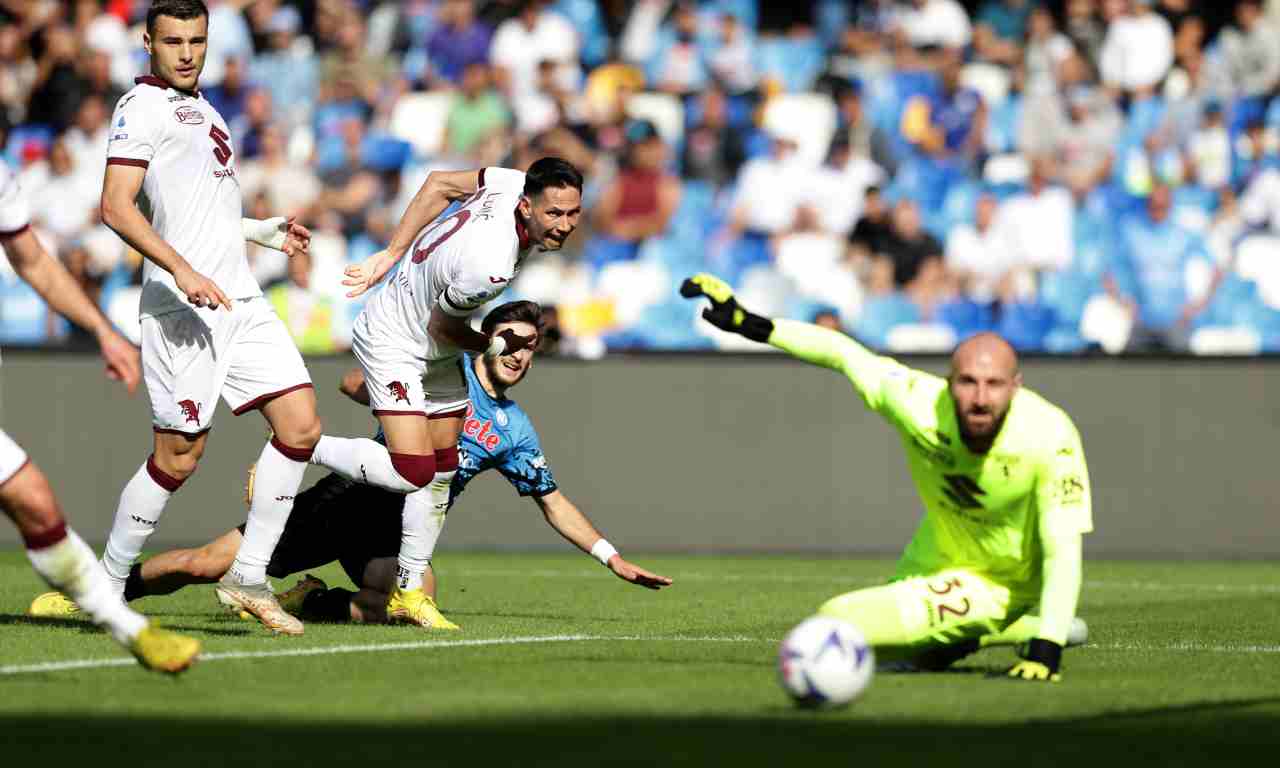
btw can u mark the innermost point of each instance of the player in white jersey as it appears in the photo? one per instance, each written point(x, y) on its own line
point(207, 331)
point(410, 336)
point(57, 553)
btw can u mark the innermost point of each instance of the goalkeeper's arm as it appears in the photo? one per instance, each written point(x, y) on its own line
point(811, 343)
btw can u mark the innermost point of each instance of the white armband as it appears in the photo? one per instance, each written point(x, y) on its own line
point(602, 550)
point(269, 233)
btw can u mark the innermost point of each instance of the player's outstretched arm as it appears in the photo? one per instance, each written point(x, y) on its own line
point(811, 343)
point(456, 331)
point(120, 212)
point(59, 289)
point(435, 194)
point(571, 523)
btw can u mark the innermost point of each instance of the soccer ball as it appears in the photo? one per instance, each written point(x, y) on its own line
point(824, 662)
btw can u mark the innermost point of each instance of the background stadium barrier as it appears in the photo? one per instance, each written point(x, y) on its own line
point(731, 453)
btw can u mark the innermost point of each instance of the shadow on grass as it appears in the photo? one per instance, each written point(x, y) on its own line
point(1201, 733)
point(19, 619)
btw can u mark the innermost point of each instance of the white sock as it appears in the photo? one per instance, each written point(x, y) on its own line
point(362, 460)
point(69, 566)
point(420, 527)
point(274, 487)
point(142, 502)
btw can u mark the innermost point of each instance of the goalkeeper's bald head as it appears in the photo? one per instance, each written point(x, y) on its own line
point(984, 378)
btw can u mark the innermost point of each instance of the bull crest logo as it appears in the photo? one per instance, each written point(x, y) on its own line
point(191, 410)
point(399, 391)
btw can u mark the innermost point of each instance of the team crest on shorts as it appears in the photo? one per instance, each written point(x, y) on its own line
point(399, 391)
point(191, 410)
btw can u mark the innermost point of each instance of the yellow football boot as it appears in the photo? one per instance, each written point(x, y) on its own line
point(413, 606)
point(53, 605)
point(164, 651)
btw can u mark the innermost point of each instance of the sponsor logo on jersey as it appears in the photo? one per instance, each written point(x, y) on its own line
point(224, 173)
point(399, 391)
point(176, 97)
point(119, 136)
point(191, 410)
point(479, 432)
point(189, 115)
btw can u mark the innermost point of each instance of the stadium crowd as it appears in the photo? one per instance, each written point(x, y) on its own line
point(1078, 175)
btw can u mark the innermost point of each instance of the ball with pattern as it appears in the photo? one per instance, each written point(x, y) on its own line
point(824, 662)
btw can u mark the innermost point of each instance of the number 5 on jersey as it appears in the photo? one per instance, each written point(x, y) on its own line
point(221, 149)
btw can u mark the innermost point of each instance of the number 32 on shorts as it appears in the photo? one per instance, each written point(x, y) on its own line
point(945, 599)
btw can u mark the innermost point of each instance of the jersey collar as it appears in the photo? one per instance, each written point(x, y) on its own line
point(521, 231)
point(152, 80)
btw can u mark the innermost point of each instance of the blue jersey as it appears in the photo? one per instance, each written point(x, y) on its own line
point(497, 434)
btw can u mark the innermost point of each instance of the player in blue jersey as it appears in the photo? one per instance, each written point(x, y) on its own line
point(359, 525)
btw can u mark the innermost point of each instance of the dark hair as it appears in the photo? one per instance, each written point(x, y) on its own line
point(178, 9)
point(513, 312)
point(551, 172)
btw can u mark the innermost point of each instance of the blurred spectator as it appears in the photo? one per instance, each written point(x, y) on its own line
point(834, 193)
point(640, 201)
point(732, 62)
point(826, 318)
point(229, 96)
point(679, 67)
point(1046, 50)
point(247, 127)
point(871, 233)
point(769, 192)
point(58, 86)
point(951, 122)
point(522, 43)
point(477, 112)
point(1260, 203)
point(714, 150)
point(350, 187)
point(908, 246)
point(1085, 145)
point(1150, 275)
point(1084, 28)
point(17, 73)
point(310, 317)
point(349, 72)
point(86, 140)
point(460, 41)
point(1036, 225)
point(97, 72)
point(1000, 28)
point(287, 68)
point(1252, 50)
point(941, 23)
point(67, 203)
point(229, 38)
point(1138, 49)
point(290, 188)
point(976, 254)
point(1209, 149)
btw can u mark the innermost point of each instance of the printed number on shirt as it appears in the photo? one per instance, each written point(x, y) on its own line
point(458, 219)
point(221, 149)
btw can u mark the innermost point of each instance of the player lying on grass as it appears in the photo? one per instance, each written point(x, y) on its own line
point(358, 525)
point(59, 555)
point(1002, 476)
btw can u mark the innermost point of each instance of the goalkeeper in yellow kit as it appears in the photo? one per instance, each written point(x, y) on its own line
point(996, 560)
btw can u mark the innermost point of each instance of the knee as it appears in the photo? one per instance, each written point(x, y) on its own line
point(178, 462)
point(302, 435)
point(413, 469)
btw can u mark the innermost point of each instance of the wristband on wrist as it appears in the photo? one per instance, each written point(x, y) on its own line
point(497, 347)
point(1046, 652)
point(602, 550)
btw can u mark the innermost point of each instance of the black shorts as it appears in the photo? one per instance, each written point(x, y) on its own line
point(337, 519)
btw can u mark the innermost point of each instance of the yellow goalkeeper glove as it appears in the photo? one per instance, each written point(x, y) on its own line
point(1042, 662)
point(724, 312)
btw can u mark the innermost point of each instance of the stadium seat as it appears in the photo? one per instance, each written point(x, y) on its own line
point(1225, 340)
point(664, 111)
point(989, 80)
point(1025, 324)
point(965, 317)
point(881, 314)
point(807, 118)
point(920, 338)
point(419, 118)
point(24, 317)
point(794, 63)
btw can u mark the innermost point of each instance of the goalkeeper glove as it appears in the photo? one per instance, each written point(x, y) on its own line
point(1041, 662)
point(724, 312)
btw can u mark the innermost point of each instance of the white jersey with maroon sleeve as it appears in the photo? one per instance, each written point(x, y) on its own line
point(15, 214)
point(457, 263)
point(192, 193)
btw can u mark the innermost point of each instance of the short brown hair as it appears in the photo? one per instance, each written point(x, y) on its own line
point(178, 9)
point(513, 312)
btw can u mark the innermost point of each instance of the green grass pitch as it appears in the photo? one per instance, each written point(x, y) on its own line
point(561, 664)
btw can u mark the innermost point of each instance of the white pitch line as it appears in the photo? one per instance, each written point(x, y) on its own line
point(1184, 647)
point(63, 666)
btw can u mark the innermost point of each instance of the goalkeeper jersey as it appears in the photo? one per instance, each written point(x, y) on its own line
point(990, 512)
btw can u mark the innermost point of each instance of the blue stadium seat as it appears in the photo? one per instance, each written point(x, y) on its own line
point(1065, 293)
point(601, 251)
point(1025, 324)
point(795, 63)
point(881, 314)
point(24, 317)
point(586, 18)
point(966, 317)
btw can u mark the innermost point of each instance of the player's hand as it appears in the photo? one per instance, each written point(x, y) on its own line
point(200, 290)
point(123, 361)
point(363, 276)
point(1042, 663)
point(724, 312)
point(297, 238)
point(637, 575)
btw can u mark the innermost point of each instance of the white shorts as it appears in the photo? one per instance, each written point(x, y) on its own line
point(400, 382)
point(193, 356)
point(12, 457)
